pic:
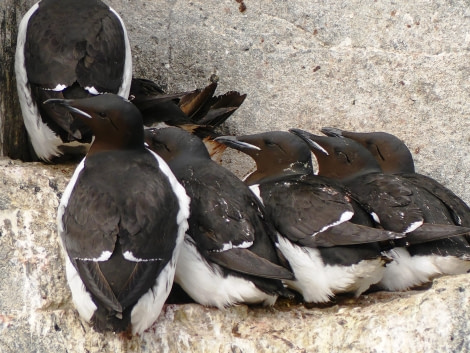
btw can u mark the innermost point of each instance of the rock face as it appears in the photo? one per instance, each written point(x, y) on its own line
point(400, 67)
point(36, 313)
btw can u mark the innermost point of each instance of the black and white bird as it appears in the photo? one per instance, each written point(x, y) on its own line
point(436, 246)
point(394, 157)
point(68, 49)
point(228, 256)
point(121, 220)
point(324, 235)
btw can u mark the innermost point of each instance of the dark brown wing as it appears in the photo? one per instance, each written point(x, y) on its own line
point(75, 41)
point(458, 209)
point(120, 232)
point(227, 221)
point(299, 209)
point(220, 218)
point(390, 199)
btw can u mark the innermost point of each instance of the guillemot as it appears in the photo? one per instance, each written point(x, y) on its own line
point(325, 236)
point(68, 49)
point(228, 256)
point(435, 245)
point(121, 220)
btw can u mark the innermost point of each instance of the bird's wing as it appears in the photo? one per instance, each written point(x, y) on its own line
point(390, 201)
point(119, 232)
point(458, 209)
point(302, 209)
point(64, 51)
point(227, 226)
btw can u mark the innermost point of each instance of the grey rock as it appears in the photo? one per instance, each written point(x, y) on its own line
point(399, 67)
point(37, 315)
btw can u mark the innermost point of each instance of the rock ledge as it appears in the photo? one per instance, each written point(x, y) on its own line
point(36, 313)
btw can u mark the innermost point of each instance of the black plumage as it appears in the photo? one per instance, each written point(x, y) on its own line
point(121, 234)
point(314, 216)
point(227, 225)
point(68, 49)
point(394, 157)
point(199, 111)
point(397, 205)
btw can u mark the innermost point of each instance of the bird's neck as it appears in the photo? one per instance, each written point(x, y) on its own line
point(106, 146)
point(262, 175)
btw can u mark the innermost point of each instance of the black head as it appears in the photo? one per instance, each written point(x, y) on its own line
point(390, 152)
point(339, 158)
point(115, 122)
point(173, 142)
point(276, 153)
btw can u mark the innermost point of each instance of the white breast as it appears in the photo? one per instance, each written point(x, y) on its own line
point(207, 285)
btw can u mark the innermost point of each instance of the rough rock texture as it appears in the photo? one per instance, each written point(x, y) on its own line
point(400, 66)
point(13, 137)
point(36, 313)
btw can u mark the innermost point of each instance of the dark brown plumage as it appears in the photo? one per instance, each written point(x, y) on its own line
point(121, 220)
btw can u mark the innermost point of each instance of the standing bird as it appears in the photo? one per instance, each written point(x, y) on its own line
point(121, 220)
point(436, 245)
point(68, 49)
point(228, 255)
point(325, 235)
point(394, 157)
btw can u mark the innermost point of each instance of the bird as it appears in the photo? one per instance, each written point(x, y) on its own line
point(121, 220)
point(228, 256)
point(198, 107)
point(72, 49)
point(394, 157)
point(324, 235)
point(435, 246)
point(199, 111)
point(68, 49)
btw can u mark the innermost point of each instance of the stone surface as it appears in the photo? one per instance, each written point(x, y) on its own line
point(400, 66)
point(13, 137)
point(36, 313)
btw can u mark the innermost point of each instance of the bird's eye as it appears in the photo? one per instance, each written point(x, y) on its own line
point(159, 146)
point(102, 114)
point(379, 153)
point(270, 143)
point(344, 156)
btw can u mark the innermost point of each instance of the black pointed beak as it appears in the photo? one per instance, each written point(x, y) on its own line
point(309, 138)
point(332, 132)
point(68, 104)
point(235, 143)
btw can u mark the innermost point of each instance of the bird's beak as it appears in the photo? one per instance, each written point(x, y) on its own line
point(332, 131)
point(235, 143)
point(68, 104)
point(309, 139)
